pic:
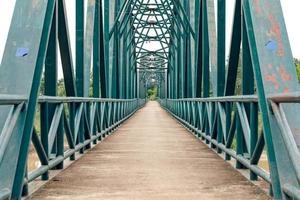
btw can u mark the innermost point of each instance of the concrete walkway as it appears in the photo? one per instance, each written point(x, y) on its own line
point(150, 157)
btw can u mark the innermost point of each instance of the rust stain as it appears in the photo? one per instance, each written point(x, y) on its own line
point(286, 90)
point(273, 80)
point(257, 7)
point(270, 66)
point(284, 74)
point(275, 31)
point(295, 130)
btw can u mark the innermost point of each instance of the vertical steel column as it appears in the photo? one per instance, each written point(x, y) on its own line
point(116, 53)
point(102, 56)
point(189, 66)
point(221, 50)
point(199, 62)
point(96, 49)
point(50, 77)
point(80, 60)
point(234, 53)
point(80, 47)
point(88, 46)
point(106, 45)
point(65, 51)
point(221, 46)
point(205, 52)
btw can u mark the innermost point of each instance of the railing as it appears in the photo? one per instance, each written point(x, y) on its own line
point(229, 124)
point(233, 125)
point(78, 121)
point(289, 132)
point(14, 106)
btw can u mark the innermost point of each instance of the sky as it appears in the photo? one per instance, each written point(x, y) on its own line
point(290, 10)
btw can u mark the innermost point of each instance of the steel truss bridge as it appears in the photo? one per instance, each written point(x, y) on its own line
point(240, 108)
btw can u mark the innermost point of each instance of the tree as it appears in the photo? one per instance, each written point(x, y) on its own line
point(61, 91)
point(152, 93)
point(42, 86)
point(297, 65)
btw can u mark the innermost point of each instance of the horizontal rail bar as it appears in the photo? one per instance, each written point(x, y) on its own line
point(11, 99)
point(49, 99)
point(244, 98)
point(15, 99)
point(286, 98)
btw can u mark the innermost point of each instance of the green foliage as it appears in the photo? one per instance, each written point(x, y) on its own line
point(42, 86)
point(91, 93)
point(297, 65)
point(61, 91)
point(37, 121)
point(152, 93)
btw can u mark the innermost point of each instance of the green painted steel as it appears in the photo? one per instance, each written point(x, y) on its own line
point(35, 32)
point(260, 64)
point(123, 47)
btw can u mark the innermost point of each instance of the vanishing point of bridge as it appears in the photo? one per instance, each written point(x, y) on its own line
point(97, 136)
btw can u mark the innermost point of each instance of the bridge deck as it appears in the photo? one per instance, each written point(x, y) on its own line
point(150, 157)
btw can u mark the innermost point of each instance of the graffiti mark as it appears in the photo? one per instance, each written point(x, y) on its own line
point(271, 45)
point(22, 52)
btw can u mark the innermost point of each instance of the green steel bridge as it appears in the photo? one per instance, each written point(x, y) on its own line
point(242, 109)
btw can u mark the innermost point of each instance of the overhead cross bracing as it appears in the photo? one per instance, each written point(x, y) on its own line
point(153, 25)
